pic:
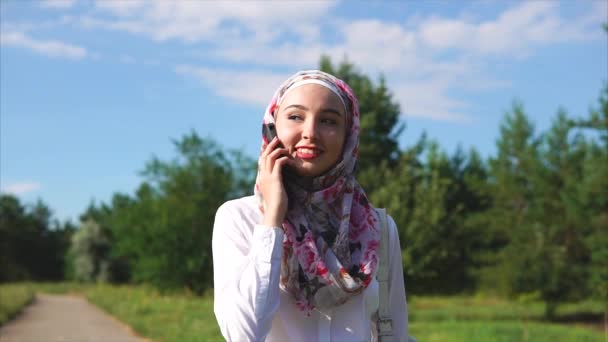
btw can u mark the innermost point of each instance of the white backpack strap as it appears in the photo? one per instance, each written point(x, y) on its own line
point(385, 323)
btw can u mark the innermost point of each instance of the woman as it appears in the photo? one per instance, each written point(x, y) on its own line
point(297, 261)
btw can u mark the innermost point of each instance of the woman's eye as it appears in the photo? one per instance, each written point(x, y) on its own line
point(329, 121)
point(294, 117)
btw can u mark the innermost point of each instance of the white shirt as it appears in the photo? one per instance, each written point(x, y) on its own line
point(249, 304)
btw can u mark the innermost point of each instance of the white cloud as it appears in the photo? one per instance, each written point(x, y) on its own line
point(287, 54)
point(424, 58)
point(367, 40)
point(38, 25)
point(254, 87)
point(21, 188)
point(122, 8)
point(59, 4)
point(445, 33)
point(194, 21)
point(429, 99)
point(516, 32)
point(51, 48)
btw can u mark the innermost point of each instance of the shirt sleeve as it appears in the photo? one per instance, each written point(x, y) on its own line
point(246, 275)
point(397, 296)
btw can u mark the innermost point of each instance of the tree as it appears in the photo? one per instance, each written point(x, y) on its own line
point(90, 252)
point(561, 218)
point(512, 190)
point(430, 202)
point(539, 212)
point(165, 230)
point(595, 196)
point(32, 245)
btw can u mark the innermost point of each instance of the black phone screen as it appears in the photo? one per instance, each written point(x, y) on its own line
point(269, 132)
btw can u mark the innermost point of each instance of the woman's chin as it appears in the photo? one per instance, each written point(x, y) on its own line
point(308, 170)
point(305, 173)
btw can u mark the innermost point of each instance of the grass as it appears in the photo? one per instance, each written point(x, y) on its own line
point(13, 297)
point(177, 317)
point(167, 317)
point(494, 309)
point(184, 317)
point(498, 331)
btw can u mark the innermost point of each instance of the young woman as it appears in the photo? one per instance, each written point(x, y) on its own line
point(298, 260)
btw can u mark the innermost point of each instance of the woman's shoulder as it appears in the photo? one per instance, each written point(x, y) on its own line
point(235, 221)
point(242, 204)
point(244, 208)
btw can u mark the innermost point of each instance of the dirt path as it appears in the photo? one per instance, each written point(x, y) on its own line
point(65, 318)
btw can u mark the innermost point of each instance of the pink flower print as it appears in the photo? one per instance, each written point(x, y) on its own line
point(370, 220)
point(309, 266)
point(323, 271)
point(355, 230)
point(332, 192)
point(370, 253)
point(307, 254)
point(373, 244)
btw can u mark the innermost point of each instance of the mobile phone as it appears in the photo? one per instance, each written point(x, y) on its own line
point(269, 132)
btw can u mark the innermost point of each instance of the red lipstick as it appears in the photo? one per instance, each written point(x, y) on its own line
point(305, 152)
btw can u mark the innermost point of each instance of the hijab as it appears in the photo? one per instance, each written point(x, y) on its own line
point(332, 235)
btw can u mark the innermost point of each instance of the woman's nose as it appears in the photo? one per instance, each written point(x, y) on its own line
point(310, 130)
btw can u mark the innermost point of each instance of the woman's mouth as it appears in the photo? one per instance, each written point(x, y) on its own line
point(307, 153)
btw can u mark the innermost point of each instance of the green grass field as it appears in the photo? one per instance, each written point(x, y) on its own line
point(13, 297)
point(184, 317)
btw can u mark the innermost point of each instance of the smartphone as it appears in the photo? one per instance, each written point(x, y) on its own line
point(269, 132)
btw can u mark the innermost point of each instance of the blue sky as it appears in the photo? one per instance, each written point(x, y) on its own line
point(91, 90)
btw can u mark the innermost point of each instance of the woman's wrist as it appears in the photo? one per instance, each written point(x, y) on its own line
point(272, 222)
point(272, 217)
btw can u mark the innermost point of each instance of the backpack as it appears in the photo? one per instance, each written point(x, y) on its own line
point(384, 323)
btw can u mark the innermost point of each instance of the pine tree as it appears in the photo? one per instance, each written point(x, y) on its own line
point(512, 190)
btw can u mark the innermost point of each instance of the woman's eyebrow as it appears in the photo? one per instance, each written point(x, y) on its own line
point(324, 110)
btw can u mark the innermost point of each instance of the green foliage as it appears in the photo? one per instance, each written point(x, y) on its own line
point(432, 202)
point(13, 298)
point(511, 188)
point(164, 317)
point(467, 331)
point(541, 216)
point(164, 232)
point(594, 196)
point(31, 246)
point(90, 253)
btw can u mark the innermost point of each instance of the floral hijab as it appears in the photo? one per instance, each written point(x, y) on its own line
point(330, 246)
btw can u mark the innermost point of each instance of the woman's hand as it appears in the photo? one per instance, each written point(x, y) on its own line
point(270, 182)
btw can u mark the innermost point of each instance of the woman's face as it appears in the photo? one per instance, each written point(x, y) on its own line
point(311, 124)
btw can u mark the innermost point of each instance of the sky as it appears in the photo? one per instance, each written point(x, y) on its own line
point(92, 90)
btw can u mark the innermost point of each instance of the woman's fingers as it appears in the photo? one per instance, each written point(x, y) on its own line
point(264, 162)
point(272, 160)
point(273, 156)
point(270, 147)
point(279, 164)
